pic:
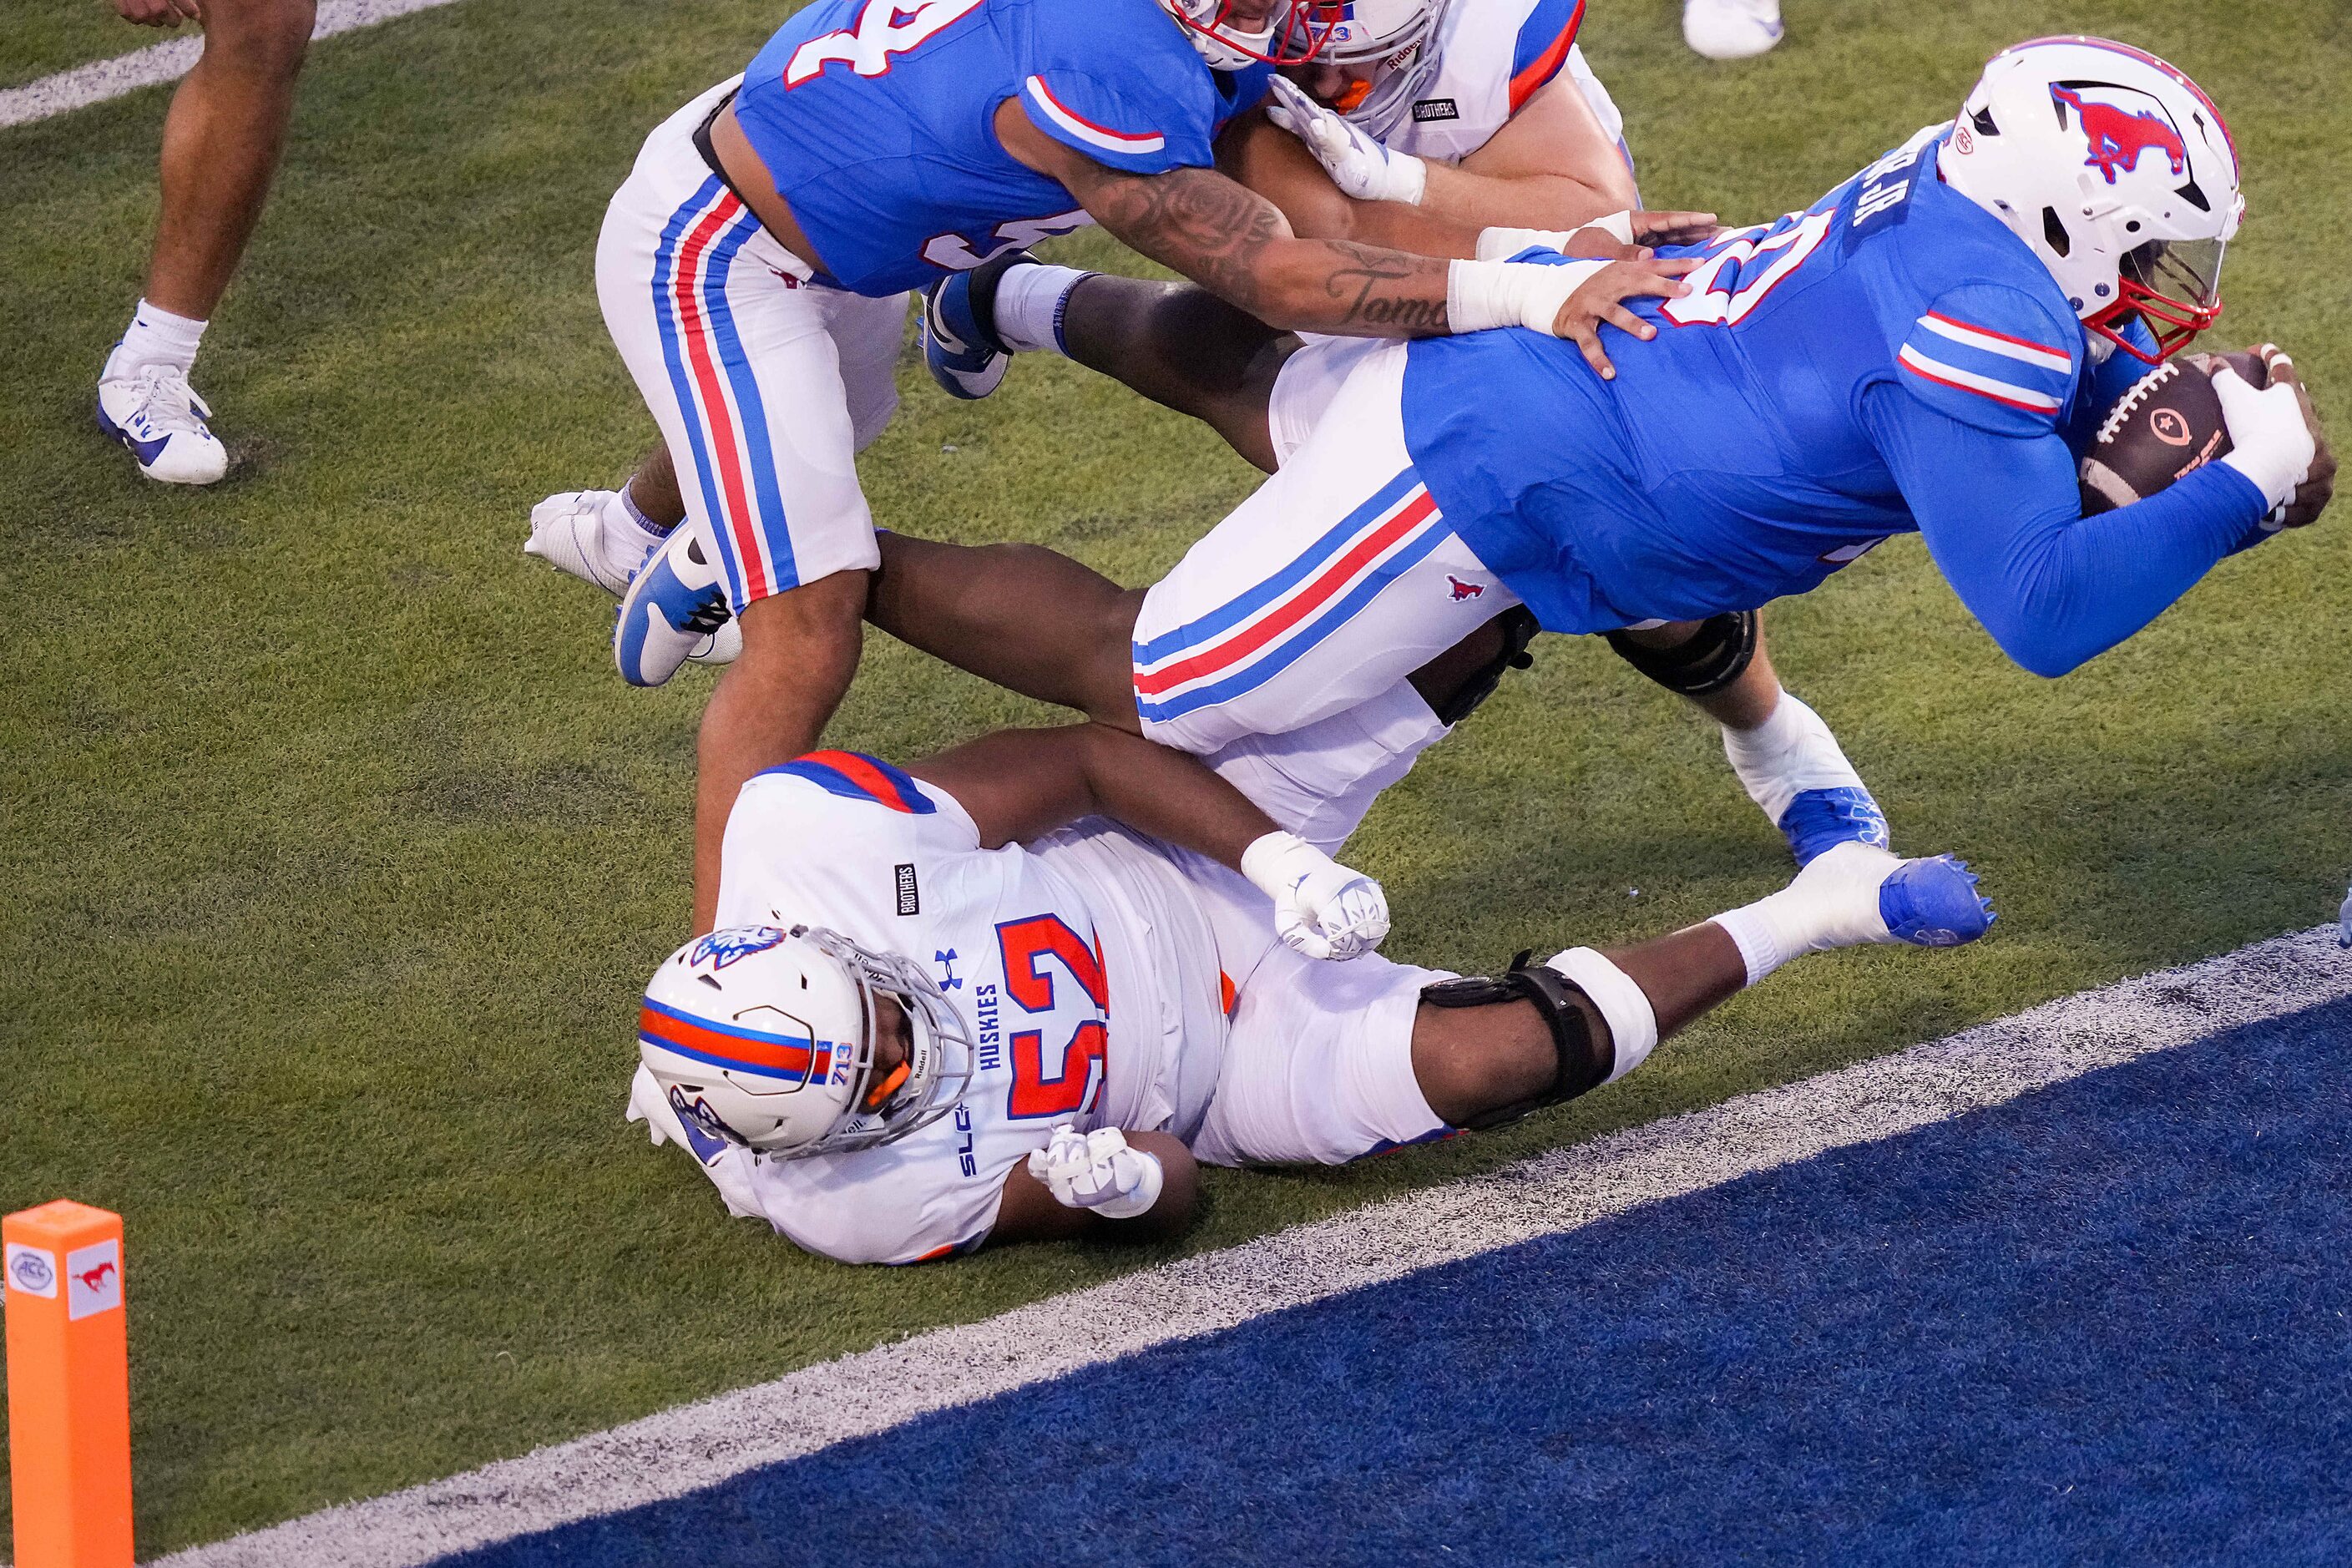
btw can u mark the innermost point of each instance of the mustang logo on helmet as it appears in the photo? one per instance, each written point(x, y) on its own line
point(724, 947)
point(2118, 136)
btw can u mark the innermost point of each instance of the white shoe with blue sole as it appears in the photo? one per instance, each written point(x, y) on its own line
point(676, 604)
point(157, 417)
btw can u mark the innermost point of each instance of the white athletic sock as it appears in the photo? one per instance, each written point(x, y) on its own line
point(1029, 305)
point(156, 336)
point(1833, 903)
point(656, 531)
point(1788, 753)
point(628, 537)
point(1624, 1005)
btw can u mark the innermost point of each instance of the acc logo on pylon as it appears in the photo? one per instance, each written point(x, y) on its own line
point(32, 1270)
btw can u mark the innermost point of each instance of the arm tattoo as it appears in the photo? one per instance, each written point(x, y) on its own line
point(1224, 237)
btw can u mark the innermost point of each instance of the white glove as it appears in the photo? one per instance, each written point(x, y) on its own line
point(1359, 165)
point(2269, 442)
point(1483, 294)
point(1321, 908)
point(1098, 1171)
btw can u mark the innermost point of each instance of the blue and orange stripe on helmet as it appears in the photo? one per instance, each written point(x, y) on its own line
point(729, 1045)
point(856, 776)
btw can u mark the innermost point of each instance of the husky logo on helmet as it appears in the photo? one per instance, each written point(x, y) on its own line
point(722, 948)
point(2118, 136)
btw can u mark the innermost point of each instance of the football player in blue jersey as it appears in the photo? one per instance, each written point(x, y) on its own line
point(754, 272)
point(1481, 110)
point(1929, 347)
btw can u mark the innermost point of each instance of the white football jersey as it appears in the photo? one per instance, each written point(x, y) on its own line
point(1487, 58)
point(1088, 977)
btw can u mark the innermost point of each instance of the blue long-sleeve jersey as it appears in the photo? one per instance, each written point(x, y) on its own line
point(1891, 359)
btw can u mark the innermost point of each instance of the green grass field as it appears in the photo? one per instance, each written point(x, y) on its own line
point(333, 853)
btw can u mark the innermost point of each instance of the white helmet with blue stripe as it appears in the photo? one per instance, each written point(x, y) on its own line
point(774, 1039)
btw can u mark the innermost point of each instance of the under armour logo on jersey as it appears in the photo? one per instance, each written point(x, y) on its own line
point(1457, 590)
point(946, 961)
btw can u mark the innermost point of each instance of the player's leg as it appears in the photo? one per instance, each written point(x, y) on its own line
point(1336, 580)
point(1785, 755)
point(1175, 343)
point(1327, 1062)
point(223, 137)
point(1027, 618)
point(743, 371)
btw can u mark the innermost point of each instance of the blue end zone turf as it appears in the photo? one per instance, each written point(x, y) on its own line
point(2105, 1323)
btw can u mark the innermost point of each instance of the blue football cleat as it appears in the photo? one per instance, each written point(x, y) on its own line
point(961, 347)
point(676, 603)
point(1821, 819)
point(1933, 903)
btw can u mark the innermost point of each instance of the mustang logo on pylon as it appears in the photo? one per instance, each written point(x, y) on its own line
point(2118, 136)
point(95, 1278)
point(1461, 590)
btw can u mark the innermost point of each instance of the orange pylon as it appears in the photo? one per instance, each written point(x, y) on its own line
point(68, 1387)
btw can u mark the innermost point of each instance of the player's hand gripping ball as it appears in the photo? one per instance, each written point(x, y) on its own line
point(2179, 417)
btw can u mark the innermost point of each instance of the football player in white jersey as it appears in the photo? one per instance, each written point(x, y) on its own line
point(1024, 989)
point(1481, 110)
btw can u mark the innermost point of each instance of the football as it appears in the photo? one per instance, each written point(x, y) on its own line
point(2166, 426)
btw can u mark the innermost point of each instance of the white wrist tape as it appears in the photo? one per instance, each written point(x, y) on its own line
point(1500, 244)
point(1408, 179)
point(1273, 863)
point(1624, 1006)
point(1483, 294)
point(1149, 1179)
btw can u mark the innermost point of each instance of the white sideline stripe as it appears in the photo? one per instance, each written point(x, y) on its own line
point(696, 1446)
point(169, 61)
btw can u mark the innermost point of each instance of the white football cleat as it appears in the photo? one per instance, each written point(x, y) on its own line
point(674, 610)
point(591, 534)
point(1731, 29)
point(158, 415)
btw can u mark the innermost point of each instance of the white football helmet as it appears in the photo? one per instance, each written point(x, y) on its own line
point(2116, 170)
point(1280, 37)
point(766, 1036)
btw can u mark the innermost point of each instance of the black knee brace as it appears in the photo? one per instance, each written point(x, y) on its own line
point(1518, 627)
point(1717, 655)
point(1582, 1065)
